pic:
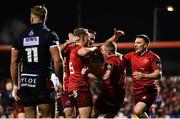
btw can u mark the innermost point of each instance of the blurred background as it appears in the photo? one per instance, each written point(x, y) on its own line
point(150, 17)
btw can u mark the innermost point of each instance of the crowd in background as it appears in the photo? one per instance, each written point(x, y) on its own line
point(167, 105)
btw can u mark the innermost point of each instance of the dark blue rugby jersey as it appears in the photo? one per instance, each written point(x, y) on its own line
point(33, 45)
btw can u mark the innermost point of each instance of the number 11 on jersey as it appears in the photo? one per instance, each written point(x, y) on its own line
point(32, 54)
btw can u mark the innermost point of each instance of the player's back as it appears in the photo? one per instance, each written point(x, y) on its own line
point(118, 70)
point(115, 84)
point(34, 44)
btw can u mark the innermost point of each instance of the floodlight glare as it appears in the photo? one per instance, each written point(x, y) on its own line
point(170, 8)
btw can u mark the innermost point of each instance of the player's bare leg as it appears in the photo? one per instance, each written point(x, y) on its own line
point(47, 110)
point(70, 112)
point(139, 110)
point(85, 112)
point(30, 111)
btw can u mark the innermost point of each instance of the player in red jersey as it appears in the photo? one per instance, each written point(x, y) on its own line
point(68, 109)
point(113, 92)
point(78, 86)
point(96, 66)
point(96, 58)
point(146, 68)
point(65, 48)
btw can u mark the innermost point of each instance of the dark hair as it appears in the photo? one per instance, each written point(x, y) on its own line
point(144, 37)
point(40, 11)
point(80, 31)
point(92, 31)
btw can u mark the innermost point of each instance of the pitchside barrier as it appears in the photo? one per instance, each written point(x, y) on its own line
point(123, 45)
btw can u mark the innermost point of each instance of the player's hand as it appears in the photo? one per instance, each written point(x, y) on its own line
point(138, 75)
point(59, 89)
point(94, 48)
point(118, 33)
point(70, 39)
point(14, 93)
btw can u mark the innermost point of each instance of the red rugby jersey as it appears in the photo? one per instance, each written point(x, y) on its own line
point(76, 80)
point(113, 87)
point(145, 63)
point(66, 55)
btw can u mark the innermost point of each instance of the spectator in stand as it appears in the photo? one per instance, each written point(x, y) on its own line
point(8, 100)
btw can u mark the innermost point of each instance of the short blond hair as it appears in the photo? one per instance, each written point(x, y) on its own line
point(80, 31)
point(40, 11)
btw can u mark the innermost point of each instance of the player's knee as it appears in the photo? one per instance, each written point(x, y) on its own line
point(70, 115)
point(139, 109)
point(138, 113)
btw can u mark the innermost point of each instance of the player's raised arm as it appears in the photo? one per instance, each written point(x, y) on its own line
point(117, 34)
point(69, 41)
point(85, 50)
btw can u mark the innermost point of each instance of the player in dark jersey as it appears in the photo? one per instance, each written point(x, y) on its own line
point(35, 47)
point(146, 68)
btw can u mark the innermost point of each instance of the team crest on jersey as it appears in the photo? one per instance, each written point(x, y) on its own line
point(31, 33)
point(109, 65)
point(158, 63)
point(30, 41)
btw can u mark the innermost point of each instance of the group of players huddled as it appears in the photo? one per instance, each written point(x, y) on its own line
point(76, 63)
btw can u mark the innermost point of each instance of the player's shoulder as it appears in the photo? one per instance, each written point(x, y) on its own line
point(25, 32)
point(154, 55)
point(112, 60)
point(51, 32)
point(77, 46)
point(129, 54)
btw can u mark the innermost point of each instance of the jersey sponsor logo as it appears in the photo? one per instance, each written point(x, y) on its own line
point(28, 80)
point(30, 41)
point(74, 94)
